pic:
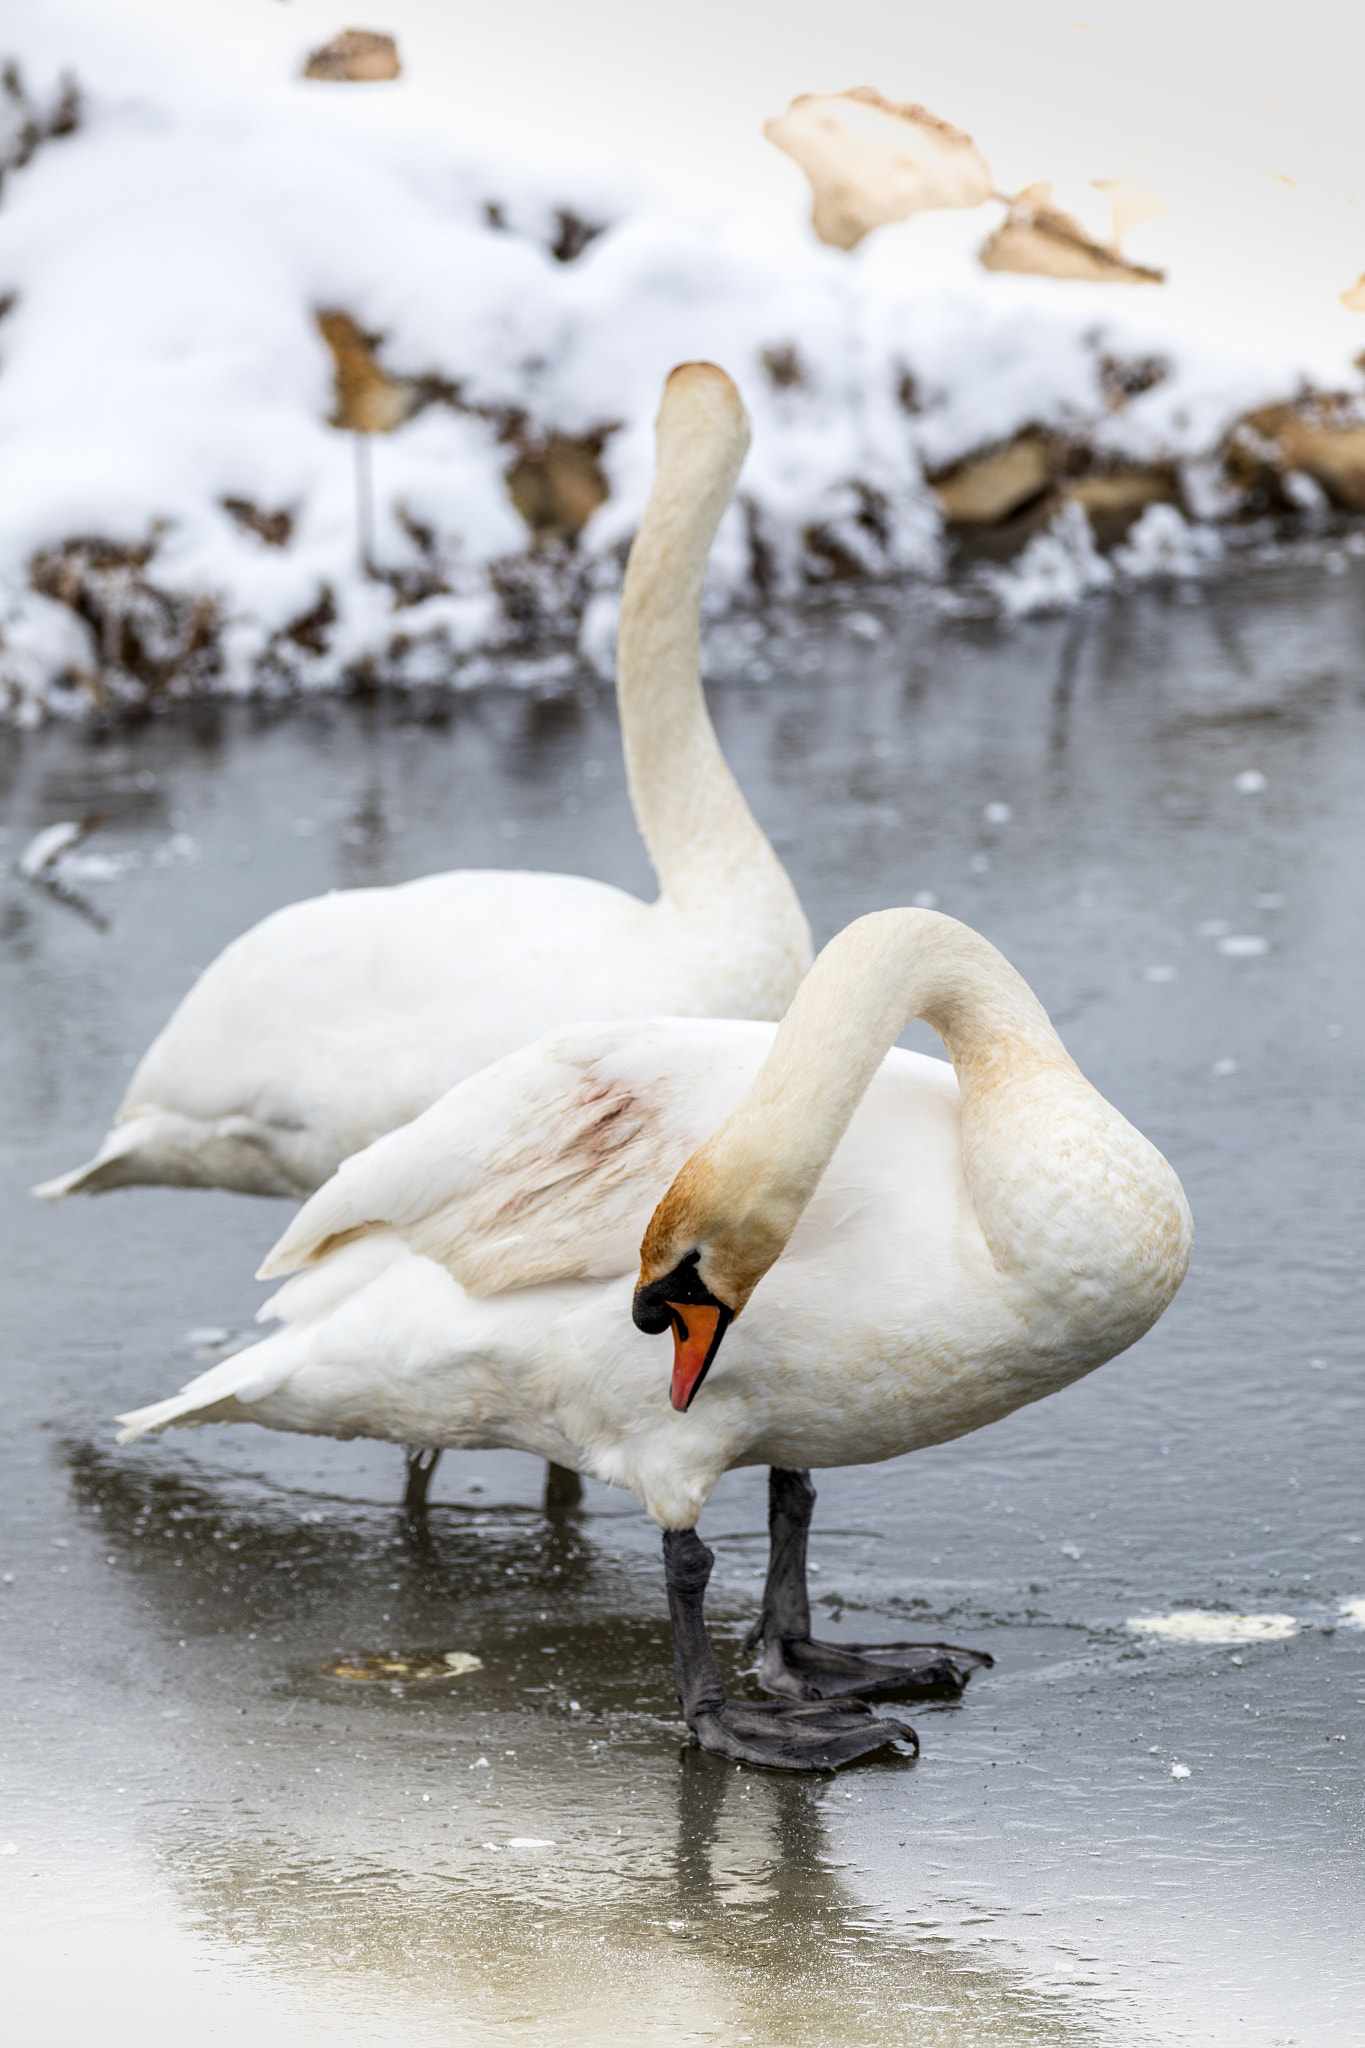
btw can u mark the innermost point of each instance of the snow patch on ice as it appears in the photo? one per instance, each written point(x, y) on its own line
point(1200, 1625)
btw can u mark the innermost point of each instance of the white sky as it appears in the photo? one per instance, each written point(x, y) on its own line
point(1246, 116)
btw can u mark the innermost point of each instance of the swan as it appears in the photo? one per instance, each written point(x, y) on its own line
point(339, 1018)
point(859, 1251)
point(342, 1017)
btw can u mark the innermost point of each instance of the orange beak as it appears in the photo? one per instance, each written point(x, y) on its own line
point(697, 1331)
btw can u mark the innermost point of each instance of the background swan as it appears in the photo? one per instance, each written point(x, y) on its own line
point(936, 1247)
point(342, 1017)
point(337, 1019)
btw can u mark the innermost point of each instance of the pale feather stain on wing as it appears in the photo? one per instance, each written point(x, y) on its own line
point(571, 1207)
point(561, 1192)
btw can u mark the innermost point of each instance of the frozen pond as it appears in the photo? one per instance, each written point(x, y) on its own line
point(1116, 1836)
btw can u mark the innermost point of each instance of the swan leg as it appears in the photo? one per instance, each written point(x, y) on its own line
point(563, 1490)
point(785, 1735)
point(794, 1664)
point(421, 1465)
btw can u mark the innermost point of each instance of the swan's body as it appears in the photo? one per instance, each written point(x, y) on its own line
point(341, 1018)
point(338, 1019)
point(964, 1245)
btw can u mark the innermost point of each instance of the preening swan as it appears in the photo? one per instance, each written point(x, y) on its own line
point(340, 1018)
point(859, 1251)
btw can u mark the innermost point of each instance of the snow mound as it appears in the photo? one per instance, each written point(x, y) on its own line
point(201, 270)
point(1162, 543)
point(1056, 569)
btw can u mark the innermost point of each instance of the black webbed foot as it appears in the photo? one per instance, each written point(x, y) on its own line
point(803, 1669)
point(784, 1735)
point(797, 1667)
point(797, 1736)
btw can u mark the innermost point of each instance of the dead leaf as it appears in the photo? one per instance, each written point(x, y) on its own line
point(1323, 436)
point(1038, 240)
point(871, 160)
point(986, 488)
point(368, 400)
point(1131, 201)
point(396, 1668)
point(558, 486)
point(358, 56)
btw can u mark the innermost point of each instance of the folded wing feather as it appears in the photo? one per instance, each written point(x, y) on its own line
point(543, 1167)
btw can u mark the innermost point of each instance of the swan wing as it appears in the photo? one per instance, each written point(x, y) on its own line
point(543, 1167)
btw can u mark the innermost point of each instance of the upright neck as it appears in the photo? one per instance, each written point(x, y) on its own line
point(713, 862)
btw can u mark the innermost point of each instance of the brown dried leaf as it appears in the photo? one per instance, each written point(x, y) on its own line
point(1114, 500)
point(986, 488)
point(358, 56)
point(558, 486)
point(400, 1667)
point(1038, 240)
point(871, 160)
point(1131, 201)
point(1324, 436)
point(368, 400)
point(276, 529)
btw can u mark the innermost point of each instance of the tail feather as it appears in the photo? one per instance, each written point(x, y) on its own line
point(121, 1161)
point(245, 1377)
point(161, 1148)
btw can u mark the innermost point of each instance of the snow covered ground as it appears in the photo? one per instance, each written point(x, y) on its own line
point(179, 513)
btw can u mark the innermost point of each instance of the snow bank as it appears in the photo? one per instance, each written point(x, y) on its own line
point(179, 515)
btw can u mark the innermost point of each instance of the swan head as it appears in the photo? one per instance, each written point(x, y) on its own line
point(714, 1235)
point(681, 1301)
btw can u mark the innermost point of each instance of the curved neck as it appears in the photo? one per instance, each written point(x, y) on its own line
point(1086, 1230)
point(879, 974)
point(711, 858)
